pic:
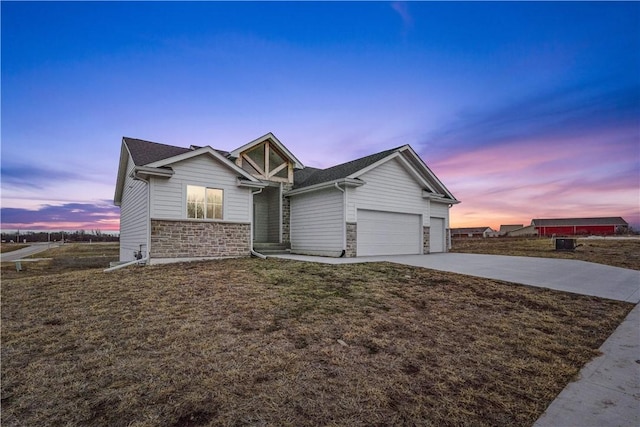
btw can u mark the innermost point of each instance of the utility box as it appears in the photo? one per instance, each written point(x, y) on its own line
point(565, 244)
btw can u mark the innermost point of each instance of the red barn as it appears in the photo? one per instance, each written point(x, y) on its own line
point(580, 226)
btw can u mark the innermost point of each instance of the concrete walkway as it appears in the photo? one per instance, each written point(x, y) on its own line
point(607, 391)
point(26, 252)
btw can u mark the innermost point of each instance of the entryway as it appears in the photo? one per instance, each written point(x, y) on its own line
point(267, 216)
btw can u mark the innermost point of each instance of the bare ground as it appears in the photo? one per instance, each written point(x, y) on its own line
point(275, 342)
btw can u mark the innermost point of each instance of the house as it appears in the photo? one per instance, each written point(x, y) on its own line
point(580, 226)
point(185, 203)
point(471, 232)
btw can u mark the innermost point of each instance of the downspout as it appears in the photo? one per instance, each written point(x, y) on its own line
point(148, 244)
point(344, 221)
point(127, 264)
point(280, 214)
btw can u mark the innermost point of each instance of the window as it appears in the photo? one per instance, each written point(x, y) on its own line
point(204, 203)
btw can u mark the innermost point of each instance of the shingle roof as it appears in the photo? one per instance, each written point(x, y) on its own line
point(145, 152)
point(559, 222)
point(468, 230)
point(305, 178)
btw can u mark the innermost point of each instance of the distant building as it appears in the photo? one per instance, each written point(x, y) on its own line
point(529, 230)
point(505, 229)
point(471, 232)
point(580, 226)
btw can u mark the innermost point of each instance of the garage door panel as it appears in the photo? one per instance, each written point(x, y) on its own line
point(436, 235)
point(388, 233)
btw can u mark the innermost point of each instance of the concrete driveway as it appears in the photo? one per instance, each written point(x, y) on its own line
point(28, 251)
point(607, 392)
point(578, 277)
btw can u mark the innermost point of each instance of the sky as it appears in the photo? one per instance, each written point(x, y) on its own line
point(523, 110)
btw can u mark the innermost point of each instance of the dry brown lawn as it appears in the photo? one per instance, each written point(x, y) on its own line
point(67, 258)
point(618, 253)
point(285, 343)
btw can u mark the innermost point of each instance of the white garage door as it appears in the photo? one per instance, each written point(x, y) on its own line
point(436, 235)
point(388, 233)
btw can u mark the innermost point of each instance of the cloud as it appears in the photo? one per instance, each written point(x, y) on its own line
point(36, 177)
point(102, 215)
point(402, 9)
point(564, 113)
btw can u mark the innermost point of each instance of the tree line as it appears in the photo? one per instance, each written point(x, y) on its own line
point(58, 236)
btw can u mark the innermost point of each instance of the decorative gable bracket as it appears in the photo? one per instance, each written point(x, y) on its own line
point(266, 162)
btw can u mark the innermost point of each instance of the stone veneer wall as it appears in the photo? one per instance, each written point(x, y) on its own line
point(425, 240)
point(192, 239)
point(447, 239)
point(286, 215)
point(352, 240)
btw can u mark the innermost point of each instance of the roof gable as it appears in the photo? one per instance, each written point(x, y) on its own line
point(355, 168)
point(297, 164)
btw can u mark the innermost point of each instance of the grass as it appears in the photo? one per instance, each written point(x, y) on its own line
point(67, 258)
point(618, 253)
point(275, 342)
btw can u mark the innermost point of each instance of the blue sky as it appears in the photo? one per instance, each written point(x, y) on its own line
point(524, 110)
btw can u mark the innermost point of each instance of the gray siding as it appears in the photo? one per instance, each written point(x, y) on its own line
point(317, 222)
point(389, 187)
point(133, 216)
point(168, 196)
point(440, 210)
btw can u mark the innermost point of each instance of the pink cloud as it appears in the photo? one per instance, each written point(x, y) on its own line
point(556, 177)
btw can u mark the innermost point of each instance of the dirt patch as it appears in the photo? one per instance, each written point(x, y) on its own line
point(275, 342)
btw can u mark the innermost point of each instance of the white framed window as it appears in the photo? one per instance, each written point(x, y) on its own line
point(204, 202)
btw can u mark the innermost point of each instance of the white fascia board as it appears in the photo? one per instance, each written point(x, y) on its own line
point(347, 182)
point(122, 171)
point(415, 155)
point(396, 155)
point(251, 184)
point(204, 150)
point(434, 198)
point(297, 164)
point(427, 195)
point(149, 171)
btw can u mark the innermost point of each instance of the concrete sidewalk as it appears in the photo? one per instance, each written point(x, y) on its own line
point(607, 391)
